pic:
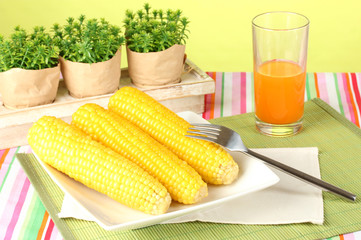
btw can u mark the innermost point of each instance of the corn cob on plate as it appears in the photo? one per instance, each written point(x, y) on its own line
point(184, 184)
point(210, 160)
point(111, 215)
point(74, 153)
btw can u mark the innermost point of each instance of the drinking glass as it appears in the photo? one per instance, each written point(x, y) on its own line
point(280, 42)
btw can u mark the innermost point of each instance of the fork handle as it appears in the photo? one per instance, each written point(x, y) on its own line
point(303, 176)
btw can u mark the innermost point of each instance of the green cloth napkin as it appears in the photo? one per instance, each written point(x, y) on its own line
point(339, 144)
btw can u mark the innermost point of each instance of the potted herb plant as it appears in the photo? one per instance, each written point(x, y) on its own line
point(155, 46)
point(29, 68)
point(90, 55)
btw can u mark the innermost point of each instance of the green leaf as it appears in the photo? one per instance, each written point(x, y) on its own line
point(154, 32)
point(87, 41)
point(28, 51)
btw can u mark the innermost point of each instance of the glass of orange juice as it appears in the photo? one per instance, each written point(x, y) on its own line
point(280, 42)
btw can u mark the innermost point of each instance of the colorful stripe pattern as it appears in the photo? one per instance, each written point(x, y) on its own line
point(339, 90)
point(23, 216)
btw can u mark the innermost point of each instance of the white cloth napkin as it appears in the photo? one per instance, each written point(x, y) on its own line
point(288, 201)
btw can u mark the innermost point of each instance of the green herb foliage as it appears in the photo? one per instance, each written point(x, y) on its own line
point(28, 51)
point(156, 30)
point(88, 41)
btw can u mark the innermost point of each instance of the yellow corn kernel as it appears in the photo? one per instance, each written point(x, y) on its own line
point(183, 183)
point(210, 160)
point(72, 152)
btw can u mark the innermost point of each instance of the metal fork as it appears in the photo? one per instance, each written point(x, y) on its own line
point(233, 141)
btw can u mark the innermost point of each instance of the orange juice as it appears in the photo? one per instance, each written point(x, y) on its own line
point(279, 91)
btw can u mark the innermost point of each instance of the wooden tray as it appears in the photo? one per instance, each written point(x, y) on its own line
point(188, 95)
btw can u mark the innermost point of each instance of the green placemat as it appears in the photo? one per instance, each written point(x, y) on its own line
point(339, 144)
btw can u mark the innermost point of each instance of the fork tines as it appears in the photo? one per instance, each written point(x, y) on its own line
point(206, 126)
point(206, 132)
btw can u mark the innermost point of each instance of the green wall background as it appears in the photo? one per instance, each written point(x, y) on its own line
point(220, 38)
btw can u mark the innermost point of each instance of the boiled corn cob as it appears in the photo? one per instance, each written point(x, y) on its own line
point(210, 160)
point(72, 152)
point(183, 183)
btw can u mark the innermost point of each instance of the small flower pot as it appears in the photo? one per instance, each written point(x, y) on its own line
point(91, 79)
point(153, 69)
point(22, 88)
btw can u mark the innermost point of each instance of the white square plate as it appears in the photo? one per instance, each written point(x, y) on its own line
point(111, 215)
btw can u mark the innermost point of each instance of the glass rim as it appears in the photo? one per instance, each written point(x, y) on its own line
point(279, 29)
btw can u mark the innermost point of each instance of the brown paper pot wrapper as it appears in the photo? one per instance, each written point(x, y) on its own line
point(156, 68)
point(21, 88)
point(91, 79)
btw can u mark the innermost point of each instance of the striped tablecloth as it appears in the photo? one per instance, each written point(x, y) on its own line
point(23, 216)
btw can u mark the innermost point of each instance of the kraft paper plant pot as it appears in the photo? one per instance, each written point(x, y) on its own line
point(22, 88)
point(152, 69)
point(91, 79)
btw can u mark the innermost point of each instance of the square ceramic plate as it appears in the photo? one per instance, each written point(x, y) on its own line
point(111, 215)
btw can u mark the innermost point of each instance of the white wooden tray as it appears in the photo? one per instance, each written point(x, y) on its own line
point(188, 95)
